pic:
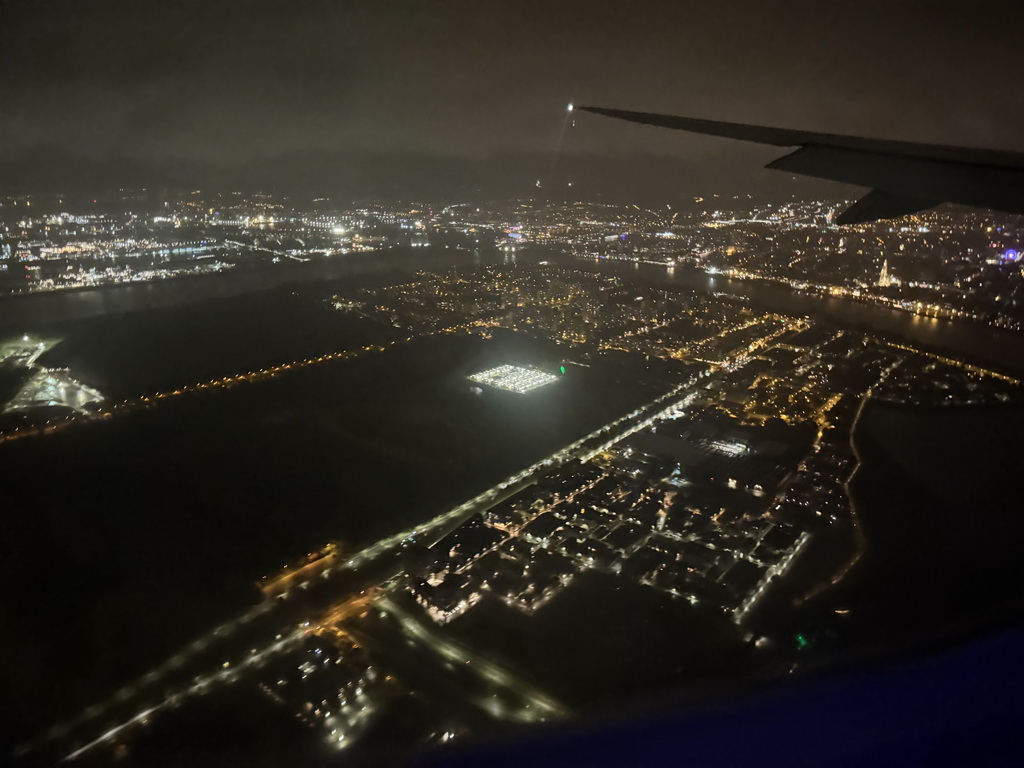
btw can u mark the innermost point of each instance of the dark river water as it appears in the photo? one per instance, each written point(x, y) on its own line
point(973, 341)
point(28, 312)
point(188, 506)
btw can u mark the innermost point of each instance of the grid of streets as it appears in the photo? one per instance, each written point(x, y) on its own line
point(708, 495)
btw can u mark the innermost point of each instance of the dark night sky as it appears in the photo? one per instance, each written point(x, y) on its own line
point(411, 91)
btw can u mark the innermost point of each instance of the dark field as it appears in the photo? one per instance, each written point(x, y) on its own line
point(122, 540)
point(605, 643)
point(939, 495)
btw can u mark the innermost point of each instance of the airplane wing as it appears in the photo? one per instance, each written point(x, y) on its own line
point(904, 177)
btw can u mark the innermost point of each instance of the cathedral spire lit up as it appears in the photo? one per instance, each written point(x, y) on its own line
point(886, 280)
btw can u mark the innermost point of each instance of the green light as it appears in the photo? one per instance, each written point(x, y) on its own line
point(563, 369)
point(802, 642)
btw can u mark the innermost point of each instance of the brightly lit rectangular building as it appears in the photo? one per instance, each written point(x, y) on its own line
point(512, 378)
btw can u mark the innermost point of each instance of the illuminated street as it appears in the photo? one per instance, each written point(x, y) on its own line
point(282, 596)
point(579, 384)
point(712, 494)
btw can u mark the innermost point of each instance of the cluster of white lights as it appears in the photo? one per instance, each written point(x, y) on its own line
point(731, 448)
point(512, 378)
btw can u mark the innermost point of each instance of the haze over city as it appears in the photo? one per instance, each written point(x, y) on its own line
point(368, 98)
point(364, 400)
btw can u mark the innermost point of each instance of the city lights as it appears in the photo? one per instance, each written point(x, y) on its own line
point(512, 378)
point(730, 448)
point(686, 495)
point(359, 401)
